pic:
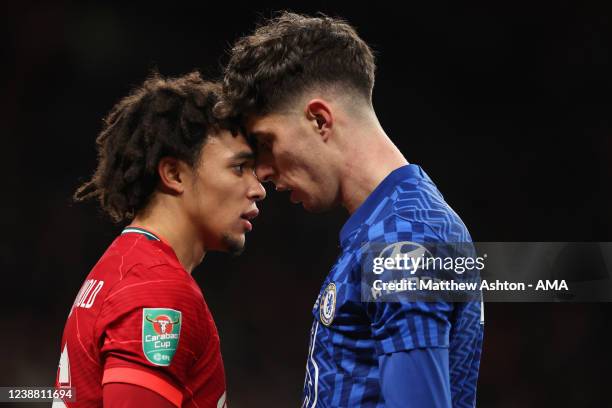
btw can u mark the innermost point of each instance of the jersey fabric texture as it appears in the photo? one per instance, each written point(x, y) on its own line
point(349, 337)
point(141, 319)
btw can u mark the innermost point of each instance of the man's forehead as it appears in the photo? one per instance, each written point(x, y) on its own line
point(259, 124)
point(230, 144)
point(253, 123)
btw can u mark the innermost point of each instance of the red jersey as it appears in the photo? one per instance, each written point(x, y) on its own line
point(141, 319)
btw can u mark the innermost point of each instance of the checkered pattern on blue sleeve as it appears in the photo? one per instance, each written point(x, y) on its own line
point(348, 335)
point(402, 326)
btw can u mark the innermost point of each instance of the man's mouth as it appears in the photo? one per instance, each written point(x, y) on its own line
point(247, 217)
point(294, 197)
point(293, 194)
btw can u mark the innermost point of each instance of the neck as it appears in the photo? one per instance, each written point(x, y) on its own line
point(370, 157)
point(166, 221)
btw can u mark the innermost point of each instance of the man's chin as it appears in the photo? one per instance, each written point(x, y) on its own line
point(315, 207)
point(233, 245)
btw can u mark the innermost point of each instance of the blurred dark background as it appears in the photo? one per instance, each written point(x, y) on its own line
point(507, 106)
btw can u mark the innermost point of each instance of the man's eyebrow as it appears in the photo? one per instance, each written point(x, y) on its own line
point(243, 155)
point(252, 139)
point(258, 133)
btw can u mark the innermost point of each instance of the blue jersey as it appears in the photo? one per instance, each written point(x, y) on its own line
point(349, 338)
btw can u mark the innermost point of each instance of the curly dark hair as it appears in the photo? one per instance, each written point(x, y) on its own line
point(162, 117)
point(289, 54)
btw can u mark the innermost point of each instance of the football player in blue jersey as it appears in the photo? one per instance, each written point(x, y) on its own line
point(302, 87)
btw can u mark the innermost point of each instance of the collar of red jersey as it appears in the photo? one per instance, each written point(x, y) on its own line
point(148, 234)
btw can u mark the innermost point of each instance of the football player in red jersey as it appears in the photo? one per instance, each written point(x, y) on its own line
point(139, 332)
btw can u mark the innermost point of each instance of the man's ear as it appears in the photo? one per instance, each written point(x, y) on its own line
point(320, 114)
point(171, 174)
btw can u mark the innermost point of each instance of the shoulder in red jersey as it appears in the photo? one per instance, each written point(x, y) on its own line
point(141, 319)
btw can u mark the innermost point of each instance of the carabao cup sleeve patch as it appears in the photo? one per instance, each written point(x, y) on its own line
point(161, 329)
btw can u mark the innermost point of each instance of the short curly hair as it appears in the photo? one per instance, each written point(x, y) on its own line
point(163, 117)
point(290, 54)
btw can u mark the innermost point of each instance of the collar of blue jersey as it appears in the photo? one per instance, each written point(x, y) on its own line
point(380, 193)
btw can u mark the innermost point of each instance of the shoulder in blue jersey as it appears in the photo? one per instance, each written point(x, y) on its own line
point(349, 338)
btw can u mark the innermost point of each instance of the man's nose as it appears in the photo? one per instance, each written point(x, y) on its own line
point(264, 172)
point(257, 191)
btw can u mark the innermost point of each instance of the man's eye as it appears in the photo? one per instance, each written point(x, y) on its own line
point(265, 146)
point(244, 166)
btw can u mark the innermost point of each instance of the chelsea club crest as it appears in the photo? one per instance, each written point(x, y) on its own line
point(327, 306)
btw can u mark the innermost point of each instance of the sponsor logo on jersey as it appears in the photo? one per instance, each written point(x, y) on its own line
point(327, 307)
point(407, 250)
point(160, 334)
